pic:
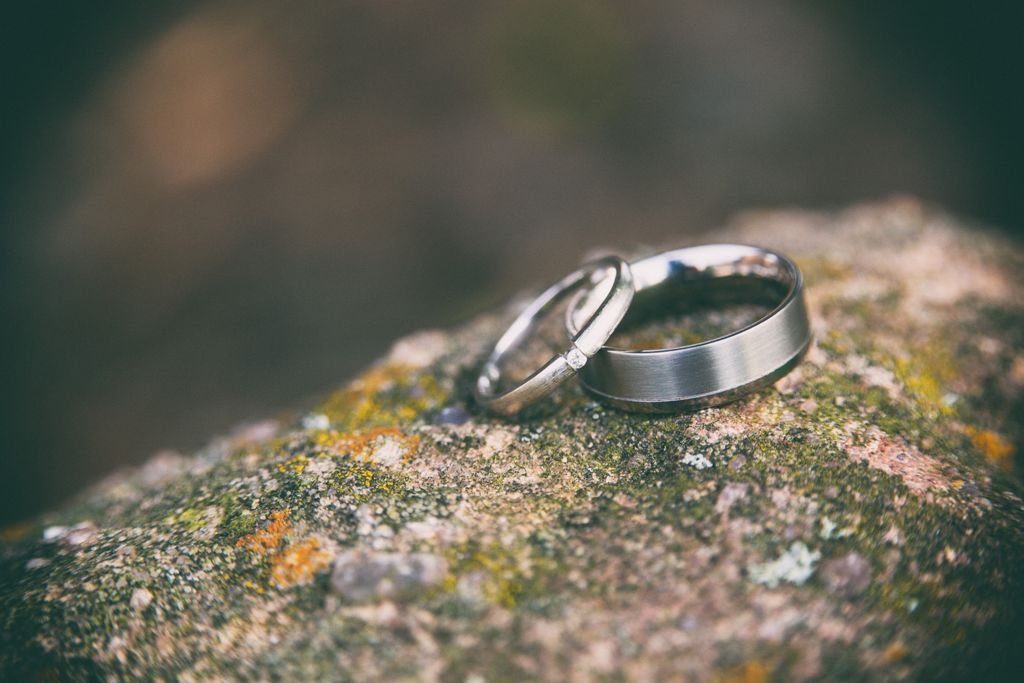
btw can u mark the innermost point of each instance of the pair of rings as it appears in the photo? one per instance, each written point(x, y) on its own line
point(609, 292)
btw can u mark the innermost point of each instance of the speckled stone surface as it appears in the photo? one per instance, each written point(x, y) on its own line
point(861, 519)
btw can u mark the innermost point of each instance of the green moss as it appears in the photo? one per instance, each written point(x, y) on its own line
point(191, 519)
point(501, 569)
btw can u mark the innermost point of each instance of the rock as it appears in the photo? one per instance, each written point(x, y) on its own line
point(861, 519)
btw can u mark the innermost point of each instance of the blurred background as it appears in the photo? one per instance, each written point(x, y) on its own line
point(213, 210)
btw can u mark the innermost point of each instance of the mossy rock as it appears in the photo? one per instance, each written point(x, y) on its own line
point(859, 520)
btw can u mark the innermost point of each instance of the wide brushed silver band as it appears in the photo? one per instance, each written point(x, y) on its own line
point(715, 371)
point(609, 305)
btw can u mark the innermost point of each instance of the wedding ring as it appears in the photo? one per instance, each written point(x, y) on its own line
point(593, 331)
point(715, 371)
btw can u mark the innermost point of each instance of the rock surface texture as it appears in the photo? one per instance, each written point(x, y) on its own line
point(859, 520)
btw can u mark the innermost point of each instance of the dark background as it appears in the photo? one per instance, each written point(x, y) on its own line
point(211, 211)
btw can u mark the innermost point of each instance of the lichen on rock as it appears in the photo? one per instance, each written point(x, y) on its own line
point(860, 519)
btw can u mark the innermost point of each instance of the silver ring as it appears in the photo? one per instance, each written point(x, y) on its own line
point(714, 371)
point(592, 334)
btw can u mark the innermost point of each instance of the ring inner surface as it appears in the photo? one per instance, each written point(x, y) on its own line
point(680, 304)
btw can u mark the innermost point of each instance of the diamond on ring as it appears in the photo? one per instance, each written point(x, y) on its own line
point(576, 359)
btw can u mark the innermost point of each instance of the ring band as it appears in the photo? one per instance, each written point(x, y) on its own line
point(592, 334)
point(715, 371)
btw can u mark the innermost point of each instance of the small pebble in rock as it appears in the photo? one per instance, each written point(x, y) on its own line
point(452, 415)
point(361, 576)
point(847, 576)
point(732, 493)
point(140, 599)
point(80, 534)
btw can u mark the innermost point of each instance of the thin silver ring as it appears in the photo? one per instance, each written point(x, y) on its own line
point(714, 371)
point(592, 334)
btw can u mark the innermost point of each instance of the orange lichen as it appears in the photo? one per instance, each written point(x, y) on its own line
point(754, 671)
point(269, 538)
point(360, 445)
point(299, 563)
point(894, 652)
point(290, 565)
point(996, 449)
point(16, 532)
